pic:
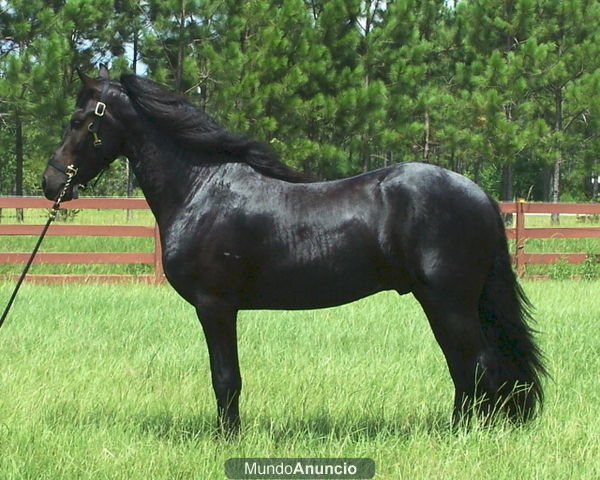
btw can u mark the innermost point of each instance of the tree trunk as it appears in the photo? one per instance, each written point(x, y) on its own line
point(427, 134)
point(180, 51)
point(136, 41)
point(128, 169)
point(19, 161)
point(547, 183)
point(477, 167)
point(507, 193)
point(555, 196)
point(507, 183)
point(595, 181)
point(555, 220)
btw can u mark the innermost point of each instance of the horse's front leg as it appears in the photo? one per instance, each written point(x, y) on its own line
point(219, 323)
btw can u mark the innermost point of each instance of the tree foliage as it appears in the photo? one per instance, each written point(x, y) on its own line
point(502, 91)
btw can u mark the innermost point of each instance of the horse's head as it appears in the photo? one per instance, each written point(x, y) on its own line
point(94, 138)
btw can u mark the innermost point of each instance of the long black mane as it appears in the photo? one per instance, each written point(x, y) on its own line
point(190, 127)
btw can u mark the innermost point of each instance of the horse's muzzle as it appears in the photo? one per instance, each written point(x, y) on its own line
point(53, 188)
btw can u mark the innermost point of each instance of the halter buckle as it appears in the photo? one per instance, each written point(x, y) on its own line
point(71, 170)
point(97, 140)
point(100, 109)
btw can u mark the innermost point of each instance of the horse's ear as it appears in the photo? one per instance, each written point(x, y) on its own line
point(104, 72)
point(87, 80)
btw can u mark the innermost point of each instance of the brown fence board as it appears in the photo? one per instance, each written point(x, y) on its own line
point(569, 208)
point(546, 258)
point(85, 258)
point(80, 258)
point(80, 230)
point(508, 207)
point(95, 278)
point(82, 203)
point(564, 232)
point(520, 234)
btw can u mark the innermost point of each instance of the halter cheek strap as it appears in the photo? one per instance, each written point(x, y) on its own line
point(99, 112)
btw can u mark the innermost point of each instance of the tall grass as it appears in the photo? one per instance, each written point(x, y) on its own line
point(112, 382)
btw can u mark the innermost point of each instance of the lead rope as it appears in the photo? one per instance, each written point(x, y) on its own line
point(70, 172)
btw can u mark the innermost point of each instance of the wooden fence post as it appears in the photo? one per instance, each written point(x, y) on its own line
point(158, 268)
point(520, 238)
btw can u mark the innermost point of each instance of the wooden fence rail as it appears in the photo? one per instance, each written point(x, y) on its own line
point(519, 234)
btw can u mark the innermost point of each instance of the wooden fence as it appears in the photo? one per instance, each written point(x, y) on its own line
point(519, 234)
point(57, 229)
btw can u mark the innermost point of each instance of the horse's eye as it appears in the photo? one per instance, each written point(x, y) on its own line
point(76, 124)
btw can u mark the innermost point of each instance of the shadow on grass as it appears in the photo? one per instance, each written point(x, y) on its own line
point(326, 427)
point(176, 429)
point(322, 427)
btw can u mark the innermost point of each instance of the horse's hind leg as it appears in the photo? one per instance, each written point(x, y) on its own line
point(456, 326)
point(219, 324)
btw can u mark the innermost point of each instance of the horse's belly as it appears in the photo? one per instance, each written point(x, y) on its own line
point(317, 289)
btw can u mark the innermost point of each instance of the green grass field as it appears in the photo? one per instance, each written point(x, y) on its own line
point(112, 382)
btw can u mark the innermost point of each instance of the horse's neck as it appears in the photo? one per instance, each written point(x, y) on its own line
point(168, 179)
point(164, 177)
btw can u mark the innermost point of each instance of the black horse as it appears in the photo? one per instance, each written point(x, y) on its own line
point(240, 230)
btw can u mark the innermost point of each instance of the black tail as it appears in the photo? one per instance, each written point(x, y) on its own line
point(505, 314)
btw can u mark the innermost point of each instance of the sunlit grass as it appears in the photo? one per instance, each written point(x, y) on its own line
point(112, 382)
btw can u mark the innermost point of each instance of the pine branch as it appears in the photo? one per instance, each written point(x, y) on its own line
point(573, 118)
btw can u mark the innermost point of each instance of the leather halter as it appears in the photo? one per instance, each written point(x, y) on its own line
point(93, 128)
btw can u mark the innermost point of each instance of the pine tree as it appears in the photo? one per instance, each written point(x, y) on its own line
point(30, 67)
point(496, 90)
point(567, 60)
point(42, 43)
point(271, 73)
point(406, 64)
point(353, 98)
point(494, 33)
point(173, 31)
